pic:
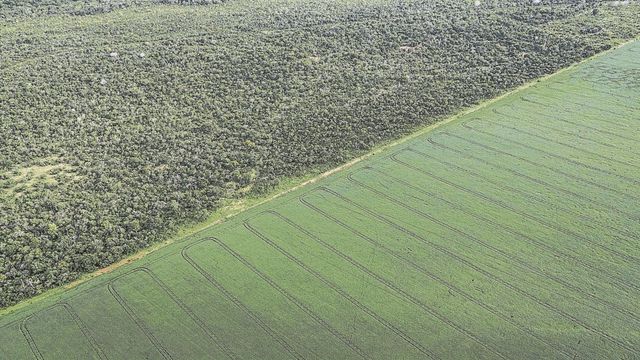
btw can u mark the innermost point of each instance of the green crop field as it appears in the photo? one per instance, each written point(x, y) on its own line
point(510, 232)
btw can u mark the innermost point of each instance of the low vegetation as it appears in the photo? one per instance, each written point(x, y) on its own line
point(160, 112)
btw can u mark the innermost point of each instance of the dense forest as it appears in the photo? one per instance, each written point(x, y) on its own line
point(122, 120)
point(12, 10)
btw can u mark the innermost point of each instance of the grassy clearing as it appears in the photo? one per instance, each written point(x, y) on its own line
point(510, 233)
point(43, 172)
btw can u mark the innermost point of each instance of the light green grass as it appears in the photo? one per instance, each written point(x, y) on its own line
point(509, 233)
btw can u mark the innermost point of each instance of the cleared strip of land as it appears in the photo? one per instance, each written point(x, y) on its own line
point(510, 233)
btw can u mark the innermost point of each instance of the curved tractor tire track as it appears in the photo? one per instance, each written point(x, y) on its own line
point(137, 320)
point(525, 266)
point(415, 344)
point(600, 91)
point(536, 242)
point(588, 106)
point(186, 309)
point(562, 131)
point(582, 197)
point(298, 303)
point(232, 298)
point(556, 156)
point(625, 257)
point(606, 336)
point(412, 264)
point(86, 332)
point(524, 194)
point(573, 123)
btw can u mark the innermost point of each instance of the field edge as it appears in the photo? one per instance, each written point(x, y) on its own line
point(288, 185)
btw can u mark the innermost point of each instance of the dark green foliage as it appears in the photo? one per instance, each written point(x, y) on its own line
point(12, 9)
point(133, 122)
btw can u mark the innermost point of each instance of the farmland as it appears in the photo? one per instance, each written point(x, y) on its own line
point(509, 232)
point(124, 122)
